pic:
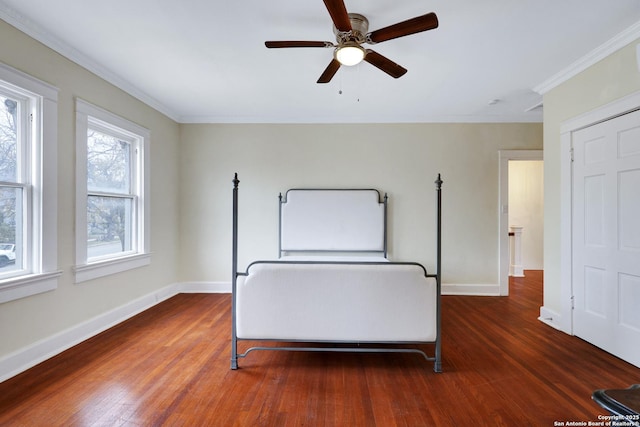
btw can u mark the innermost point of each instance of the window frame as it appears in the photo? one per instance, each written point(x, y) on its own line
point(91, 116)
point(40, 271)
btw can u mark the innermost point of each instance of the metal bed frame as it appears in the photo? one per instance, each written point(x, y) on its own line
point(339, 346)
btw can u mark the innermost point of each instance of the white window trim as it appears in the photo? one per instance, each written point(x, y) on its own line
point(83, 269)
point(45, 274)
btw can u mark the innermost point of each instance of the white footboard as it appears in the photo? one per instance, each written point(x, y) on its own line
point(341, 302)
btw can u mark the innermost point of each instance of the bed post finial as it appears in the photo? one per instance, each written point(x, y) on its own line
point(236, 181)
point(438, 182)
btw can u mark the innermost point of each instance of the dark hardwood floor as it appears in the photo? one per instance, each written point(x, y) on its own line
point(170, 366)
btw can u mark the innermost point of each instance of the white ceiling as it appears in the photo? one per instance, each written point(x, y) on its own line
point(205, 60)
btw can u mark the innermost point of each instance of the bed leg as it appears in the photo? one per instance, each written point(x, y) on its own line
point(234, 350)
point(234, 363)
point(437, 363)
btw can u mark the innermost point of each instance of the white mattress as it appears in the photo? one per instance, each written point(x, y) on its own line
point(336, 302)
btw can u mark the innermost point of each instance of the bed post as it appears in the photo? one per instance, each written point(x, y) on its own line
point(280, 225)
point(234, 275)
point(386, 198)
point(437, 367)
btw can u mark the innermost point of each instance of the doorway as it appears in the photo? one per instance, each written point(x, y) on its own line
point(508, 157)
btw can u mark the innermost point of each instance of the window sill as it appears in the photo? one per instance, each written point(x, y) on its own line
point(99, 269)
point(31, 284)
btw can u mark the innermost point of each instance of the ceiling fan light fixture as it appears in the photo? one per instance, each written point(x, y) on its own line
point(350, 54)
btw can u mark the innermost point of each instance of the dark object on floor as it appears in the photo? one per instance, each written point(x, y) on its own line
point(624, 403)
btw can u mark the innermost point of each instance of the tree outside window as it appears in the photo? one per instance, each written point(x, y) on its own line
point(9, 192)
point(110, 200)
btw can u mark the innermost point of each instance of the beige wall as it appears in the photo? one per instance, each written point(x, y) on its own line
point(402, 160)
point(27, 321)
point(604, 82)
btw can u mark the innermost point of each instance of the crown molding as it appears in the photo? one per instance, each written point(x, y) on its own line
point(616, 43)
point(532, 116)
point(35, 31)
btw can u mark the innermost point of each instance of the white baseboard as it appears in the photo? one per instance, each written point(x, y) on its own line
point(470, 289)
point(551, 318)
point(27, 357)
point(205, 287)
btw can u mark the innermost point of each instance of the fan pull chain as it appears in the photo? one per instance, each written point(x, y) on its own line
point(359, 83)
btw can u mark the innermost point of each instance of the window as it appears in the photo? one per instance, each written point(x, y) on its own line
point(28, 185)
point(112, 208)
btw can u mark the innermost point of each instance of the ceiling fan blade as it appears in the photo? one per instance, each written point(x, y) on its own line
point(339, 15)
point(384, 64)
point(330, 71)
point(296, 43)
point(404, 28)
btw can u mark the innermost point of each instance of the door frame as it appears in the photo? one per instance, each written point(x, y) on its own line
point(503, 210)
point(601, 114)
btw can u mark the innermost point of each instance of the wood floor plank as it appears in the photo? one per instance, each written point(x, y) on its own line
point(169, 366)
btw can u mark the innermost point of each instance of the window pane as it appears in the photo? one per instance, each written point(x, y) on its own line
point(109, 225)
point(8, 139)
point(108, 163)
point(10, 226)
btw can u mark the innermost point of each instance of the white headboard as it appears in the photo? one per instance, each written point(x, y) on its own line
point(333, 220)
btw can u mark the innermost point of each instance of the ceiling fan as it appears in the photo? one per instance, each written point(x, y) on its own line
point(351, 30)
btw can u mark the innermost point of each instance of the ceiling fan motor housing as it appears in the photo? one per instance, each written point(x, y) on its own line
point(359, 28)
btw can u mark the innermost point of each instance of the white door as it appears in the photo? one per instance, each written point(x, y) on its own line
point(606, 235)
